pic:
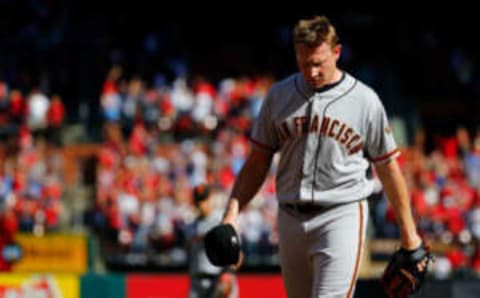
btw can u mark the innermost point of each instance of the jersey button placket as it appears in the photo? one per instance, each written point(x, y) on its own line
point(314, 140)
point(319, 109)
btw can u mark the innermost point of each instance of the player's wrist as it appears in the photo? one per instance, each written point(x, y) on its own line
point(231, 212)
point(410, 241)
point(232, 222)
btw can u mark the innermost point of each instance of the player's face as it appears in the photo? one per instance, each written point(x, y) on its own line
point(318, 63)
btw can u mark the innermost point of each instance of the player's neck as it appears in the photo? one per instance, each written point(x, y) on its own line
point(337, 78)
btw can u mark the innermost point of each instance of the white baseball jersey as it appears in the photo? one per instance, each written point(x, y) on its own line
point(322, 136)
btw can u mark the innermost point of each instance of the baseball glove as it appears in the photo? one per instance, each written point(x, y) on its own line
point(222, 245)
point(402, 276)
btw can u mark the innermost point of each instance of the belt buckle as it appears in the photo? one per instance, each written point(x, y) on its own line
point(295, 207)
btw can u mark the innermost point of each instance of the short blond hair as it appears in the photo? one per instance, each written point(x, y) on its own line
point(314, 31)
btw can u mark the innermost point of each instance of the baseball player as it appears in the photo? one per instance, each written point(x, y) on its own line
point(327, 126)
point(206, 280)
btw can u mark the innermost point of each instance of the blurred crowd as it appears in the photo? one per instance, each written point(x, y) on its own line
point(445, 195)
point(31, 112)
point(31, 162)
point(160, 142)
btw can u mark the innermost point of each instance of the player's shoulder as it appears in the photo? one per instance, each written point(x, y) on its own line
point(282, 90)
point(284, 85)
point(365, 91)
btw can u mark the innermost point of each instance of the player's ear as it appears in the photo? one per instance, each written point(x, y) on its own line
point(337, 50)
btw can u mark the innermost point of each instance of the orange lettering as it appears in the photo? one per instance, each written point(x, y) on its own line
point(280, 132)
point(357, 148)
point(353, 139)
point(335, 123)
point(340, 131)
point(314, 126)
point(324, 127)
point(305, 121)
point(298, 124)
point(346, 135)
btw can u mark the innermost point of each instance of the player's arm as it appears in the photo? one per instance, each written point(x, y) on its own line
point(396, 189)
point(248, 182)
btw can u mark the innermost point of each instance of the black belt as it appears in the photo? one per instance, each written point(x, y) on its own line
point(306, 208)
point(205, 275)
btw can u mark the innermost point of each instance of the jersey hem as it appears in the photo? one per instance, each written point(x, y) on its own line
point(328, 198)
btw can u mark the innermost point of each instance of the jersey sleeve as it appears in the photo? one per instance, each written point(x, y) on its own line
point(263, 135)
point(381, 145)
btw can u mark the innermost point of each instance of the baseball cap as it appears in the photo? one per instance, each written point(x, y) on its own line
point(222, 245)
point(200, 193)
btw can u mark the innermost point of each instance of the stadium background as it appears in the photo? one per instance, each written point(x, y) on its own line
point(109, 114)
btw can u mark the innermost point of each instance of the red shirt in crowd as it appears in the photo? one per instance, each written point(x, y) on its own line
point(56, 112)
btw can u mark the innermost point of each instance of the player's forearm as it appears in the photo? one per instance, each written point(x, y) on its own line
point(247, 184)
point(397, 193)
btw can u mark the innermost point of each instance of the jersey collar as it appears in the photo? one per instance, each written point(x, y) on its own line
point(334, 89)
point(330, 86)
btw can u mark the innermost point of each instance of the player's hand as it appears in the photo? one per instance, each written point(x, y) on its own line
point(406, 271)
point(234, 223)
point(231, 221)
